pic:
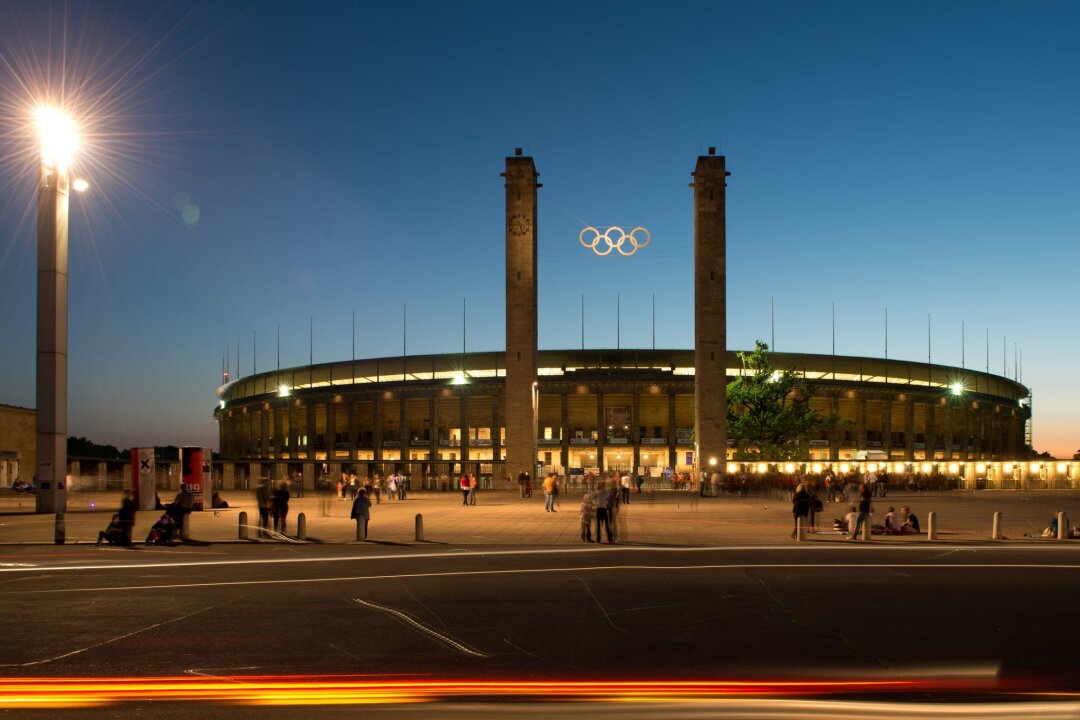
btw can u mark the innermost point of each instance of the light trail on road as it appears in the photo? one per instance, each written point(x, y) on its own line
point(560, 570)
point(564, 551)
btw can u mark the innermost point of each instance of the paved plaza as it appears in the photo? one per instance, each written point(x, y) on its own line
point(503, 518)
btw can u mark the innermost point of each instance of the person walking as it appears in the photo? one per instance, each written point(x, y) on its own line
point(126, 518)
point(604, 508)
point(472, 488)
point(800, 507)
point(863, 515)
point(586, 516)
point(279, 506)
point(550, 484)
point(392, 487)
point(361, 511)
point(263, 496)
point(464, 485)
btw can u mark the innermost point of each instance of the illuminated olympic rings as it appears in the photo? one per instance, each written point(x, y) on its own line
point(627, 243)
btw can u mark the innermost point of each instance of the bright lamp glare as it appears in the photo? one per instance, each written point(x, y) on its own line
point(80, 185)
point(283, 391)
point(58, 137)
point(957, 388)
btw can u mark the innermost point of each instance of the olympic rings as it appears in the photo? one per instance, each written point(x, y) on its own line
point(625, 248)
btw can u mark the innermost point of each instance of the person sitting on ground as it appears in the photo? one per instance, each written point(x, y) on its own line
point(892, 522)
point(217, 502)
point(111, 534)
point(911, 521)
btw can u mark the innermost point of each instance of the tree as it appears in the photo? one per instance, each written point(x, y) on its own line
point(769, 412)
point(80, 447)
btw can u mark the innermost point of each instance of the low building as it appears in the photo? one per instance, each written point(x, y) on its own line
point(18, 428)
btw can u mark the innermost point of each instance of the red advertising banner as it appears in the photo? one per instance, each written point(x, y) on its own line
point(195, 466)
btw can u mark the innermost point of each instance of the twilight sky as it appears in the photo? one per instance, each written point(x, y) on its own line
point(263, 162)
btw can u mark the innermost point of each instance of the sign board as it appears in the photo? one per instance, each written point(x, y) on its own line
point(195, 465)
point(142, 478)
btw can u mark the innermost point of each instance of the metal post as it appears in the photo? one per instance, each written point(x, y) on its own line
point(242, 519)
point(1063, 526)
point(800, 530)
point(301, 526)
point(996, 533)
point(52, 340)
point(59, 531)
point(866, 529)
point(419, 527)
point(185, 526)
point(361, 528)
point(931, 529)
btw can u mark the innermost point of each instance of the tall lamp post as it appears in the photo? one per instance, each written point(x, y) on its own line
point(58, 144)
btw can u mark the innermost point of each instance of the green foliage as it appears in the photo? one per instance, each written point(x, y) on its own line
point(80, 447)
point(769, 413)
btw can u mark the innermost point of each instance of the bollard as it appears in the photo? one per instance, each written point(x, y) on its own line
point(58, 530)
point(931, 530)
point(1063, 526)
point(419, 527)
point(301, 526)
point(800, 530)
point(243, 525)
point(866, 535)
point(361, 528)
point(996, 533)
point(185, 527)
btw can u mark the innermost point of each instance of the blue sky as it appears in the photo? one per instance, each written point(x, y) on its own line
point(915, 156)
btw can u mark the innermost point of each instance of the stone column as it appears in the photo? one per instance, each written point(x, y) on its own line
point(264, 433)
point(601, 430)
point(281, 415)
point(496, 478)
point(309, 431)
point(931, 430)
point(966, 440)
point(331, 431)
point(463, 413)
point(860, 424)
point(710, 310)
point(886, 426)
point(909, 428)
point(564, 432)
point(672, 450)
point(376, 430)
point(834, 433)
point(635, 423)
point(406, 433)
point(521, 313)
point(433, 425)
point(354, 435)
point(950, 434)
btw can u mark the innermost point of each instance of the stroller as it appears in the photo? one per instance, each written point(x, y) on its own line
point(162, 532)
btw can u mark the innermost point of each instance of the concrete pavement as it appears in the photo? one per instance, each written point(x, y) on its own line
point(503, 518)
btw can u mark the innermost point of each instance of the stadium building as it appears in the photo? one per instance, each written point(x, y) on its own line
point(499, 413)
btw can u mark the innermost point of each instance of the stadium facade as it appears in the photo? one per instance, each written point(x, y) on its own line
point(499, 413)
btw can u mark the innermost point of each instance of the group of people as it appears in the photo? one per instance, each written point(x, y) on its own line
point(601, 507)
point(395, 486)
point(273, 502)
point(467, 483)
point(805, 505)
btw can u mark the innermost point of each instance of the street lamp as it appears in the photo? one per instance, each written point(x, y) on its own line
point(59, 141)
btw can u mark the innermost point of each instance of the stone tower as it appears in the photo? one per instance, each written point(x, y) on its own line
point(521, 330)
point(710, 313)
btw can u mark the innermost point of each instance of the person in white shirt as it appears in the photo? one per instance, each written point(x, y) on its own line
point(624, 484)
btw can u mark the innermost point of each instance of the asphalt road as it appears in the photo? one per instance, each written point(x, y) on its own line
point(976, 623)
